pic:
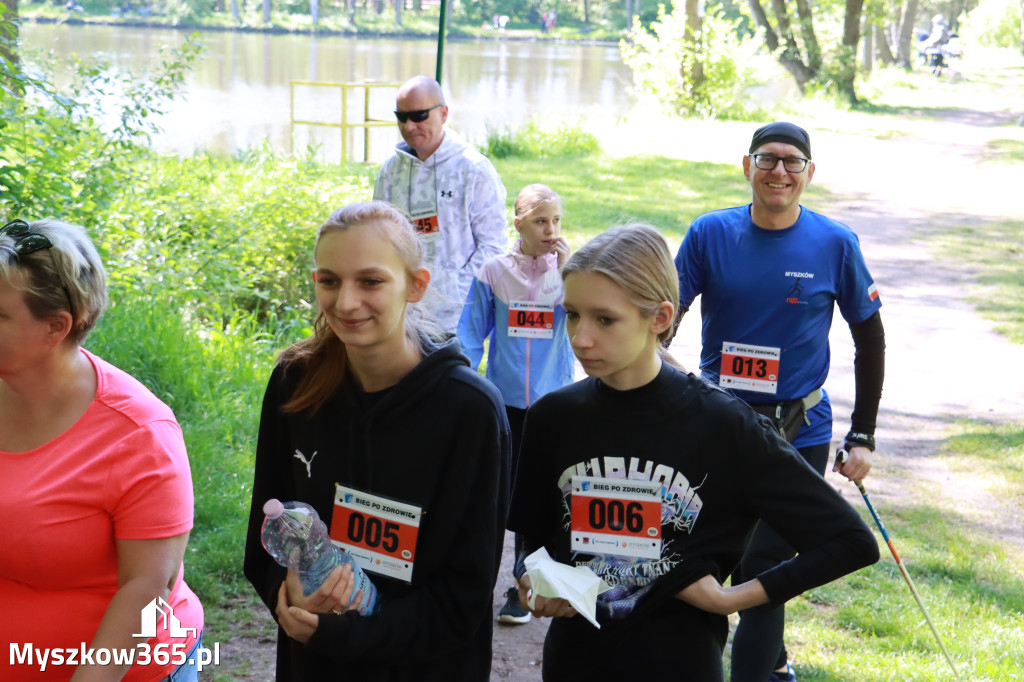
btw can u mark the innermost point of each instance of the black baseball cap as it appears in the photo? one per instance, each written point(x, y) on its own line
point(781, 131)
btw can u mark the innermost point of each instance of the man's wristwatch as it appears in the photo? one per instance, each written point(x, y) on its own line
point(856, 438)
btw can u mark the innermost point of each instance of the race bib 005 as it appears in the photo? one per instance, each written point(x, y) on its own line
point(379, 533)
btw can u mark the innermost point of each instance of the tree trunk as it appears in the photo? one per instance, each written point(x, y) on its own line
point(398, 12)
point(882, 44)
point(868, 47)
point(906, 34)
point(803, 10)
point(378, 5)
point(234, 12)
point(790, 60)
point(266, 11)
point(629, 14)
point(694, 80)
point(586, 11)
point(314, 11)
point(848, 50)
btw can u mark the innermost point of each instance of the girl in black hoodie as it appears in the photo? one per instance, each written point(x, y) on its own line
point(375, 406)
point(654, 479)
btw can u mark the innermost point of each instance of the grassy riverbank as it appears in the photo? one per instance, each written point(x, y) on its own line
point(364, 23)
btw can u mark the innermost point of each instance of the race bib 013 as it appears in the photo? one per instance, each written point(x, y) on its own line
point(749, 368)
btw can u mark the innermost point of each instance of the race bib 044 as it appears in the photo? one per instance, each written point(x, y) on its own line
point(531, 320)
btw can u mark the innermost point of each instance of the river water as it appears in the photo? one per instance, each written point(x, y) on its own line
point(240, 93)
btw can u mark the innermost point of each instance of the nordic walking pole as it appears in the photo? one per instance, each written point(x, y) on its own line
point(842, 455)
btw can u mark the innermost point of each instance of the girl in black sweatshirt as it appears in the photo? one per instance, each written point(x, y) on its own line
point(654, 480)
point(374, 406)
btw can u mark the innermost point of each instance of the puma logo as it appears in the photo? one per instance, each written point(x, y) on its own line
point(308, 462)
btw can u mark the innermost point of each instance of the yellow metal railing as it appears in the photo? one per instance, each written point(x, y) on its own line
point(345, 124)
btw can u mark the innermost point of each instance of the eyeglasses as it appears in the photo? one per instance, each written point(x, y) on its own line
point(793, 164)
point(418, 116)
point(25, 242)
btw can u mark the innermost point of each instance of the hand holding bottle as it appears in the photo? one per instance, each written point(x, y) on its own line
point(299, 614)
point(296, 537)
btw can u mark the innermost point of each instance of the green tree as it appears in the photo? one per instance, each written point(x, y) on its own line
point(9, 43)
point(848, 50)
point(797, 47)
point(55, 152)
point(782, 39)
point(905, 33)
point(692, 71)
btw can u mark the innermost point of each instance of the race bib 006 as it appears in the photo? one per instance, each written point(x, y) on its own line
point(616, 516)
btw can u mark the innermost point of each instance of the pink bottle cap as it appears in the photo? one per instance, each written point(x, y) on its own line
point(273, 508)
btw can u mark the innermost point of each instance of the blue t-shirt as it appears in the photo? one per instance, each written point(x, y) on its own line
point(770, 293)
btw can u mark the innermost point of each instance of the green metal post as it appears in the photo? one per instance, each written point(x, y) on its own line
point(442, 25)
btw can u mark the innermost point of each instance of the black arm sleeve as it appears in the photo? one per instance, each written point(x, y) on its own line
point(519, 569)
point(868, 372)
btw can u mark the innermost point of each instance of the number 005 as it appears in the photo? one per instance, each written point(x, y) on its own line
point(373, 531)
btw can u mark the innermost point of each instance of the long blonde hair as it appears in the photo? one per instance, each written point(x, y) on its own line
point(323, 355)
point(637, 259)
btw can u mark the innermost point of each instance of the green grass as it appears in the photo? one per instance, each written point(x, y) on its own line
point(1009, 151)
point(999, 449)
point(869, 627)
point(994, 250)
point(599, 191)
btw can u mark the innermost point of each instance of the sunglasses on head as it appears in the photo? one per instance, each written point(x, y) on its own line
point(25, 242)
point(418, 116)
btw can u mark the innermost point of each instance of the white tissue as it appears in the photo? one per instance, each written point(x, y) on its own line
point(579, 585)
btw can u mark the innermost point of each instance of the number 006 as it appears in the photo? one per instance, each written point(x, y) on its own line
point(615, 515)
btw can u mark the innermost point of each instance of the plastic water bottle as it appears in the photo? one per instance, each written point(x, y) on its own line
point(297, 539)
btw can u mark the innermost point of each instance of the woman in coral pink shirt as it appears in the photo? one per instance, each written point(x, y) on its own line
point(95, 487)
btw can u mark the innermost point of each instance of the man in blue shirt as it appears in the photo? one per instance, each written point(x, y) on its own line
point(769, 275)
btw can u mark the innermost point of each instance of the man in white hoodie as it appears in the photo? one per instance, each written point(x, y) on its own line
point(452, 192)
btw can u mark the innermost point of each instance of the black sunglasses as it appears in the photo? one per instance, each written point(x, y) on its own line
point(418, 116)
point(25, 242)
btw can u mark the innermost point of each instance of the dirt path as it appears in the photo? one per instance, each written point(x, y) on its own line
point(944, 363)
